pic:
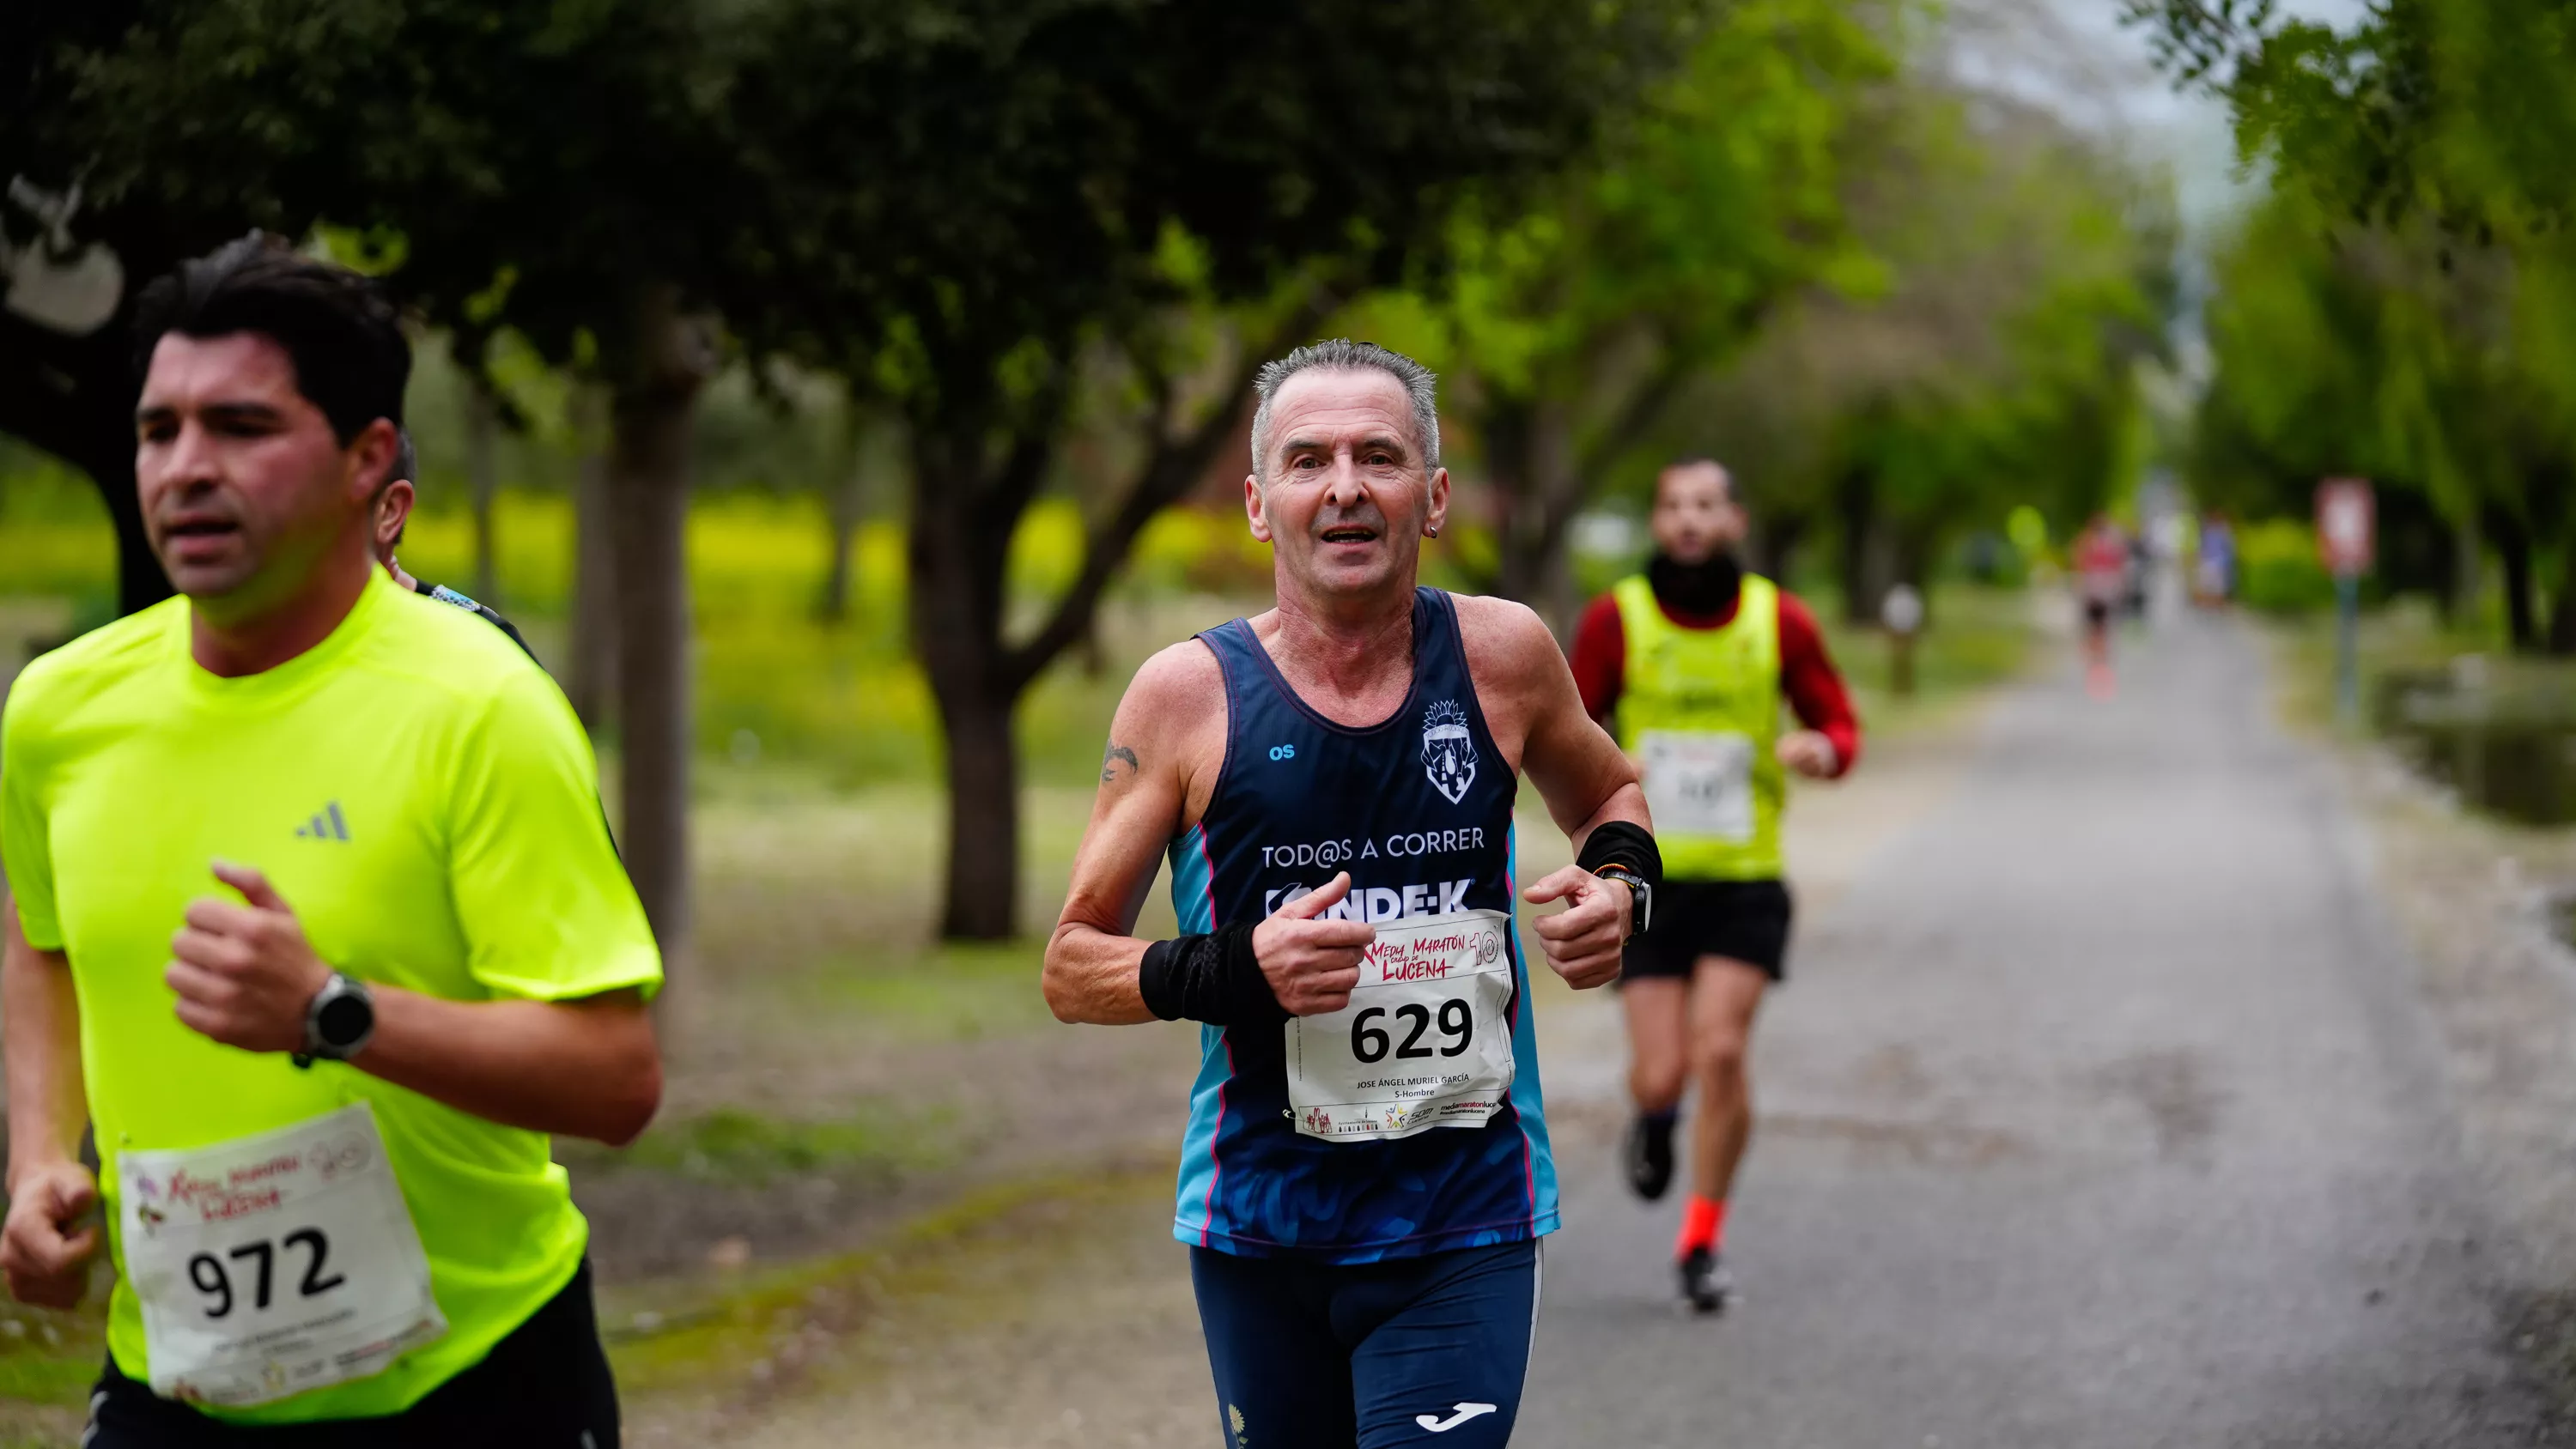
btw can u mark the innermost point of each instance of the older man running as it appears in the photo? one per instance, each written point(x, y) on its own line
point(1366, 1172)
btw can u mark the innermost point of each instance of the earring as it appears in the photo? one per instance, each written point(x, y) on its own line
point(1430, 532)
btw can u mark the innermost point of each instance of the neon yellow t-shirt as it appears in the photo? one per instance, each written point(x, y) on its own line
point(422, 797)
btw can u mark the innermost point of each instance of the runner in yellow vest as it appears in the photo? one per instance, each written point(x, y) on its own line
point(317, 924)
point(1687, 665)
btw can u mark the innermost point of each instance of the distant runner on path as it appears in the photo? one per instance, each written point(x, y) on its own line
point(1687, 663)
point(1367, 1169)
point(2102, 580)
point(317, 928)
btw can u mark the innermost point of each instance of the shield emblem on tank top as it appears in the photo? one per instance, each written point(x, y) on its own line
point(1448, 750)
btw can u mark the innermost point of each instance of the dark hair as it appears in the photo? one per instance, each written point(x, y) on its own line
point(337, 327)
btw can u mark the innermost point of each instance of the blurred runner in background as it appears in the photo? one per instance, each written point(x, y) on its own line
point(1367, 1172)
point(393, 514)
point(1688, 663)
point(2101, 581)
point(2216, 575)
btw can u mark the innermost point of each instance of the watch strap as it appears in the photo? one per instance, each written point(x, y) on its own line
point(1641, 897)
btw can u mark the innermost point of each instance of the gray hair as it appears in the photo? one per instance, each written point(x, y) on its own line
point(1341, 354)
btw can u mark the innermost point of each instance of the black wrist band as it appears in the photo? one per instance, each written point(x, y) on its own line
point(1623, 843)
point(1213, 978)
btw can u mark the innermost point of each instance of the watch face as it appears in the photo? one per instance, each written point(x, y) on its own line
point(344, 1020)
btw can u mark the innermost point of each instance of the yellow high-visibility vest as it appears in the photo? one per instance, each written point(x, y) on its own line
point(1700, 711)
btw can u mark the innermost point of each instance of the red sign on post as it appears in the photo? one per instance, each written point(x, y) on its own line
point(2347, 526)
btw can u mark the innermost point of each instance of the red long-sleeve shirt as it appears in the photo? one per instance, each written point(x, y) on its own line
point(1807, 674)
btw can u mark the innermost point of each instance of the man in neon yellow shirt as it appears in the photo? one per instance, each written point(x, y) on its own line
point(317, 924)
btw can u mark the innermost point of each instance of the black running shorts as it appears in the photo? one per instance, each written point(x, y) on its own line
point(1747, 920)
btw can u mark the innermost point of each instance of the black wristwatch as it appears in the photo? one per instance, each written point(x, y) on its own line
point(338, 1022)
point(1641, 897)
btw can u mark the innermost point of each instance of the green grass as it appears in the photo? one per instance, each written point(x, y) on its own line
point(50, 1359)
point(1978, 638)
point(664, 1343)
point(944, 993)
point(734, 1147)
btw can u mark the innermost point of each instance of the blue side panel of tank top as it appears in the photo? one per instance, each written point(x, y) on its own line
point(1298, 798)
point(1528, 1102)
point(1193, 904)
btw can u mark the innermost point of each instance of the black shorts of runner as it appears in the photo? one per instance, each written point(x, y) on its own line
point(546, 1386)
point(2097, 614)
point(1747, 920)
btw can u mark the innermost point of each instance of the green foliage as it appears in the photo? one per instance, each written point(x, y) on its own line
point(2026, 280)
point(2278, 570)
point(2403, 305)
point(55, 538)
point(2457, 110)
point(1567, 327)
point(2439, 370)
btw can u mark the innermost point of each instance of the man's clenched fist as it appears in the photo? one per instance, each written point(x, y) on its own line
point(244, 973)
point(46, 1262)
point(1312, 965)
point(1583, 940)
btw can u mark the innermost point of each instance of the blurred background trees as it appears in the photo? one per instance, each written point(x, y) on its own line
point(2398, 305)
point(973, 291)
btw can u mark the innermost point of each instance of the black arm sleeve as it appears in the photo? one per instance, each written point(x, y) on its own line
point(1212, 978)
point(1620, 842)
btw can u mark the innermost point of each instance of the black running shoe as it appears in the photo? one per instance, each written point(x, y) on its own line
point(1649, 1154)
point(1705, 1284)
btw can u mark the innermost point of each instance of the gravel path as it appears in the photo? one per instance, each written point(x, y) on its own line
point(2103, 1110)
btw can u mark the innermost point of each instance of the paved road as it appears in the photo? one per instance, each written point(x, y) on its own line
point(2101, 1112)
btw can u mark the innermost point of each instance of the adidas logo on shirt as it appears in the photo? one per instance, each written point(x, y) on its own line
point(329, 825)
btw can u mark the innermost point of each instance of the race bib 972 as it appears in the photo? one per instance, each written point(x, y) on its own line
point(1425, 1042)
point(275, 1263)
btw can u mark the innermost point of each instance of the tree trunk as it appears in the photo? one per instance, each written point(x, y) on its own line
point(1777, 539)
point(2468, 573)
point(1546, 491)
point(104, 449)
point(957, 551)
point(74, 398)
point(482, 472)
point(653, 413)
point(1863, 544)
point(2513, 549)
point(983, 895)
point(1910, 553)
point(590, 678)
point(965, 509)
point(2562, 617)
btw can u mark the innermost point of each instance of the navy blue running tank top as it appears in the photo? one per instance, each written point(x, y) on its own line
point(1418, 808)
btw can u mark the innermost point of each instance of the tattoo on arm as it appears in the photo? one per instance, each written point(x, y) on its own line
point(1109, 762)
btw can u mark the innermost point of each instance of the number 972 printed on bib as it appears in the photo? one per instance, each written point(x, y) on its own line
point(273, 1264)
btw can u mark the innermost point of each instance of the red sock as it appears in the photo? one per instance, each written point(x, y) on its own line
point(1703, 1225)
